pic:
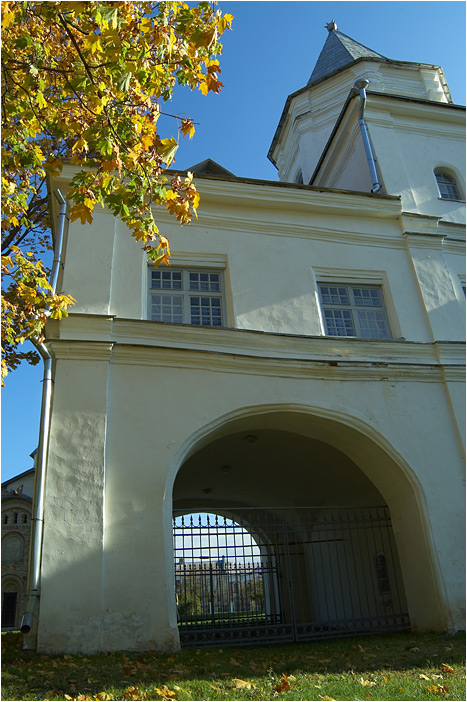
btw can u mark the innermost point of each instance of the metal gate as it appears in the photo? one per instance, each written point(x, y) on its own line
point(246, 576)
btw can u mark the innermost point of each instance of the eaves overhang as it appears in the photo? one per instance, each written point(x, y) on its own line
point(310, 86)
point(271, 192)
point(276, 195)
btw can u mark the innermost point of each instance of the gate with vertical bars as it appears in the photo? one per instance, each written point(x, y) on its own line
point(246, 576)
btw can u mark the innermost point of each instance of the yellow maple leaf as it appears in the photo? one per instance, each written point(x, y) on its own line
point(7, 16)
point(40, 99)
point(79, 144)
point(161, 259)
point(164, 243)
point(188, 128)
point(81, 212)
point(195, 201)
point(92, 42)
point(146, 24)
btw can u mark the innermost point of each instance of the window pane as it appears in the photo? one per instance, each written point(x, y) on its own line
point(166, 280)
point(333, 295)
point(373, 324)
point(206, 311)
point(339, 322)
point(370, 297)
point(208, 282)
point(167, 308)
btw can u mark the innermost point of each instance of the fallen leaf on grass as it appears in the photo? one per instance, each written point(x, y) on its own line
point(241, 684)
point(366, 683)
point(283, 686)
point(331, 699)
point(165, 693)
point(424, 677)
point(438, 689)
point(446, 668)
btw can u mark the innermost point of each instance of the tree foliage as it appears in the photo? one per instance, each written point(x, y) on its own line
point(85, 83)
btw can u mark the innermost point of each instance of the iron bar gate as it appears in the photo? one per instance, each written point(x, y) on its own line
point(263, 575)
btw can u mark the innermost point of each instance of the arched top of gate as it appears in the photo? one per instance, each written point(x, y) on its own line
point(352, 434)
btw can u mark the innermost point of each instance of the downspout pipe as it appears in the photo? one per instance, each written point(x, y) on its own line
point(361, 86)
point(43, 443)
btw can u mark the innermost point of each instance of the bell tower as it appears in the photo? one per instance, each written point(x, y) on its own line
point(311, 113)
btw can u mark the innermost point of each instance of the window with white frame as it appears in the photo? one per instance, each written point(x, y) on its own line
point(186, 296)
point(447, 186)
point(354, 310)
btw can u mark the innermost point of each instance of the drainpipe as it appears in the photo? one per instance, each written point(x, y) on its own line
point(43, 444)
point(361, 86)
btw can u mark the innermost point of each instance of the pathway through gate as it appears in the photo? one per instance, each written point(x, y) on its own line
point(262, 575)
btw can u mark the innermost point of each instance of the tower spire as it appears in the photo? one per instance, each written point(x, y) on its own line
point(338, 51)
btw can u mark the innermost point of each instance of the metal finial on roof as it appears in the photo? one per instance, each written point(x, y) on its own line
point(331, 26)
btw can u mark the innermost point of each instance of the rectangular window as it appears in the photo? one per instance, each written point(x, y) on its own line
point(354, 310)
point(186, 296)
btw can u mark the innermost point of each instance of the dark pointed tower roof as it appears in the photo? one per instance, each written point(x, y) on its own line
point(338, 51)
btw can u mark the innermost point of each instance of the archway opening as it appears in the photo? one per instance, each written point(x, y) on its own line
point(326, 555)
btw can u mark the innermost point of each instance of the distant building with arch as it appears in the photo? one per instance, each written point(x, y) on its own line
point(299, 368)
point(16, 531)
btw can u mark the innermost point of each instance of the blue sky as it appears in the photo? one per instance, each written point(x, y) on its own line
point(269, 54)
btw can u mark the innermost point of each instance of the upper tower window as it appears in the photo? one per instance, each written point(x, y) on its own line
point(447, 185)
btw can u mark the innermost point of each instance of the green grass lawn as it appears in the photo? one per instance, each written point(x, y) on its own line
point(390, 667)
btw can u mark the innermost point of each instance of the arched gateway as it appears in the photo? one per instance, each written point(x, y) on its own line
point(292, 524)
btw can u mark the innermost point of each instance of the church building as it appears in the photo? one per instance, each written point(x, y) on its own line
point(264, 440)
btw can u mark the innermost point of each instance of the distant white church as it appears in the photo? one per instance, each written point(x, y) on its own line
point(297, 373)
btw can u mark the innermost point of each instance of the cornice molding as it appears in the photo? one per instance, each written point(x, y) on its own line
point(311, 230)
point(89, 350)
point(276, 194)
point(75, 338)
point(131, 354)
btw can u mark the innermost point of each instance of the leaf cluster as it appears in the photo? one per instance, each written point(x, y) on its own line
point(83, 83)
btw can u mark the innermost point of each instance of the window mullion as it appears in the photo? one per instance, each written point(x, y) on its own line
point(354, 311)
point(186, 297)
